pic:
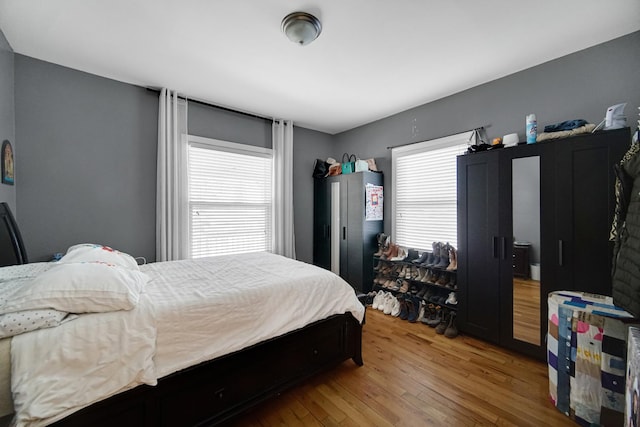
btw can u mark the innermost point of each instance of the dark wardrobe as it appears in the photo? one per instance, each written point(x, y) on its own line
point(556, 200)
point(339, 216)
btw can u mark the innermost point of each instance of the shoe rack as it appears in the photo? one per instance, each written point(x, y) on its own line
point(424, 284)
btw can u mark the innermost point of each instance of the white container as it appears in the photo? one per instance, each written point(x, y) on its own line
point(535, 272)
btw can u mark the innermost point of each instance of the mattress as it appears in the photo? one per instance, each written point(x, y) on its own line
point(13, 272)
point(191, 311)
point(6, 403)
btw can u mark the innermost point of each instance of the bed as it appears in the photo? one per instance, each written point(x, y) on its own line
point(206, 340)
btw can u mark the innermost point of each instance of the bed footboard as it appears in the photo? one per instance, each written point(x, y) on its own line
point(216, 391)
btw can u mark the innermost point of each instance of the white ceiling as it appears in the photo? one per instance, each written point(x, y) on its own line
point(374, 58)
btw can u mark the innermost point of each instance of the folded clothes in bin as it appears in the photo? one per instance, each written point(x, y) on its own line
point(586, 354)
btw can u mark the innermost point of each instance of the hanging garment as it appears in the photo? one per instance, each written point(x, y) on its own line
point(626, 233)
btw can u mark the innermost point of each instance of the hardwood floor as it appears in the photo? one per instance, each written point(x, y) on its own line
point(526, 310)
point(414, 377)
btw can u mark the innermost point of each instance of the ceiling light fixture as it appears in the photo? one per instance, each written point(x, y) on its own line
point(301, 27)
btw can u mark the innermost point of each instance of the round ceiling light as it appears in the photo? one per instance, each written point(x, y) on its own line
point(301, 27)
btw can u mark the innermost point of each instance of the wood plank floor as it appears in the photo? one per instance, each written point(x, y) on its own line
point(526, 310)
point(414, 377)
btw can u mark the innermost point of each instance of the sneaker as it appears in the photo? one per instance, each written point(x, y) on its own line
point(452, 299)
point(382, 301)
point(376, 300)
point(388, 304)
point(395, 308)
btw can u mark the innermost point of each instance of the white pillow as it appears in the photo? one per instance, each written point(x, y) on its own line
point(29, 320)
point(90, 252)
point(89, 287)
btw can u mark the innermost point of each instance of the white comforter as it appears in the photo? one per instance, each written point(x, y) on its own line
point(191, 311)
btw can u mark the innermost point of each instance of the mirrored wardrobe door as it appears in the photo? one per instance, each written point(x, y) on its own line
point(526, 249)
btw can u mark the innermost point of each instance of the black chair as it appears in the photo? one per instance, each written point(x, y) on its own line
point(12, 250)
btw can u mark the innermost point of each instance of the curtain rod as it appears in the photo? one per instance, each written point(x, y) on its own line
point(219, 107)
point(418, 142)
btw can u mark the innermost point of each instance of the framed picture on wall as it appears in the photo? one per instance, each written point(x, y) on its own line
point(7, 163)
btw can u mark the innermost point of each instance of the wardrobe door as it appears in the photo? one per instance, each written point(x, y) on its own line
point(322, 223)
point(480, 245)
point(354, 229)
point(585, 202)
point(370, 230)
point(524, 205)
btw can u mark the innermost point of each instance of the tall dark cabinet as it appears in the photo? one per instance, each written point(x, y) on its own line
point(574, 203)
point(354, 236)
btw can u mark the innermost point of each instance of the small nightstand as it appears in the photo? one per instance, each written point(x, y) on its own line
point(521, 261)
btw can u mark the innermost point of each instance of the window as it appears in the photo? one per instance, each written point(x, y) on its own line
point(424, 194)
point(229, 197)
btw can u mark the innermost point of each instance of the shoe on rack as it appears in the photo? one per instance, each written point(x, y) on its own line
point(412, 254)
point(453, 257)
point(422, 291)
point(423, 257)
point(429, 311)
point(392, 252)
point(413, 309)
point(436, 318)
point(377, 299)
point(451, 300)
point(383, 243)
point(434, 257)
point(388, 304)
point(403, 271)
point(404, 287)
point(451, 283)
point(401, 254)
point(434, 277)
point(425, 275)
point(404, 309)
point(395, 307)
point(444, 256)
point(452, 330)
point(396, 285)
point(442, 280)
point(442, 326)
point(422, 312)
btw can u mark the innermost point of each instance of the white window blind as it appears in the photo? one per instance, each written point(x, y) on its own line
point(424, 194)
point(229, 197)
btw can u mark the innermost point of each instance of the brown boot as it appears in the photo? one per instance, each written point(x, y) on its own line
point(453, 255)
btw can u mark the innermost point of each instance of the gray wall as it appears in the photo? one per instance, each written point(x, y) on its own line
point(307, 146)
point(580, 85)
point(87, 160)
point(86, 145)
point(224, 125)
point(7, 118)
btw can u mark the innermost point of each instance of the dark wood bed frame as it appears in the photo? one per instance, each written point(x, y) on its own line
point(212, 392)
point(215, 392)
